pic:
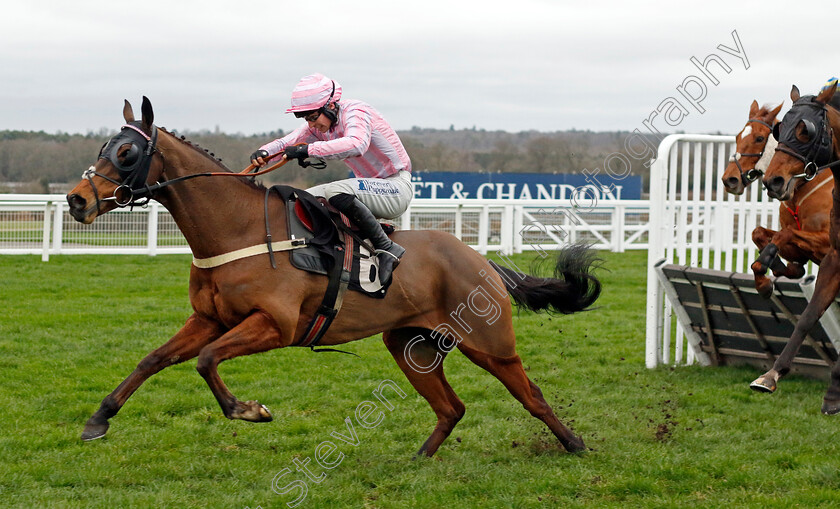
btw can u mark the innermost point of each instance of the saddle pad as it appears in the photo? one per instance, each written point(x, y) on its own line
point(364, 275)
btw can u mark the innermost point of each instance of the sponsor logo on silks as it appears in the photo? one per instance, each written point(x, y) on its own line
point(377, 187)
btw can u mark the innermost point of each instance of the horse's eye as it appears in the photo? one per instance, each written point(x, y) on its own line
point(129, 156)
point(759, 139)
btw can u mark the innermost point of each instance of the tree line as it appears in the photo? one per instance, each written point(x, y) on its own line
point(33, 160)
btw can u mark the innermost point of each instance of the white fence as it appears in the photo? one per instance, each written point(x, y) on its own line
point(695, 223)
point(40, 224)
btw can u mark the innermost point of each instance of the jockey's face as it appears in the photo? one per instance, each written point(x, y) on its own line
point(322, 123)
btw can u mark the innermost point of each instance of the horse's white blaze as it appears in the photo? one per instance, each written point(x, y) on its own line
point(746, 132)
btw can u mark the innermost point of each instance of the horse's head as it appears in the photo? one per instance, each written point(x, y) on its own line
point(126, 164)
point(754, 147)
point(806, 143)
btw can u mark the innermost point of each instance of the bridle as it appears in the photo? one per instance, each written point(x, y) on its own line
point(754, 174)
point(133, 190)
point(133, 168)
point(818, 150)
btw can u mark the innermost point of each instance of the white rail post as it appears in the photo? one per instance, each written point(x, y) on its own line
point(45, 245)
point(656, 217)
point(618, 228)
point(152, 233)
point(58, 227)
point(483, 229)
point(459, 221)
point(518, 210)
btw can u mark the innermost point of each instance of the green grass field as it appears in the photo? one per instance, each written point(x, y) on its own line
point(73, 328)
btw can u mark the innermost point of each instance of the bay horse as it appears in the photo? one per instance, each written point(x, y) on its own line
point(808, 144)
point(244, 306)
point(803, 216)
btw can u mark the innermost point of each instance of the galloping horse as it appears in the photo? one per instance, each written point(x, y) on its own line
point(244, 306)
point(754, 147)
point(808, 143)
point(803, 216)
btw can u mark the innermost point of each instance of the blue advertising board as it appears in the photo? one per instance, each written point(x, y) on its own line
point(525, 186)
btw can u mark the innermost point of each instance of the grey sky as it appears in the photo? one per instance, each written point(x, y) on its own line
point(529, 64)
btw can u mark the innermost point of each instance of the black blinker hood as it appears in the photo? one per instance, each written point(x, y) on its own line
point(818, 148)
point(134, 169)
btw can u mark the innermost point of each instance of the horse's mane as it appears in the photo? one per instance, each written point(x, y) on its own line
point(765, 110)
point(834, 102)
point(209, 155)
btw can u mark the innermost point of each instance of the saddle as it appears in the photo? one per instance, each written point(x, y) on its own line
point(333, 248)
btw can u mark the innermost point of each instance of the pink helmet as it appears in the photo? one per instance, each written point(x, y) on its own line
point(313, 92)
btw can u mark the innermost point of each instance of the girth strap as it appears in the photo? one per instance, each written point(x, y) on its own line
point(333, 297)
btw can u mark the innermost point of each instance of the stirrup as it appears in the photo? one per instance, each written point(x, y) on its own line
point(379, 251)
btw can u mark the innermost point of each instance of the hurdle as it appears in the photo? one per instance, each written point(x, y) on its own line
point(702, 306)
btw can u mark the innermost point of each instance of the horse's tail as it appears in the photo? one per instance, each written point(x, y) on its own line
point(573, 287)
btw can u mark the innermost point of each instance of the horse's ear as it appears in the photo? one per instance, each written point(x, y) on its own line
point(148, 114)
point(794, 94)
point(128, 113)
point(775, 111)
point(753, 109)
point(827, 93)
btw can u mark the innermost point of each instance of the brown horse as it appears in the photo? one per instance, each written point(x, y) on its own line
point(808, 143)
point(754, 147)
point(803, 216)
point(443, 294)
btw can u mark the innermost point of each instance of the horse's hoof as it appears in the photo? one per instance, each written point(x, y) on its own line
point(575, 445)
point(796, 272)
point(765, 290)
point(94, 431)
point(252, 411)
point(830, 408)
point(763, 384)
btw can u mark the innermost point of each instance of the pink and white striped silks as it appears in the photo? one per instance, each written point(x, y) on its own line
point(360, 136)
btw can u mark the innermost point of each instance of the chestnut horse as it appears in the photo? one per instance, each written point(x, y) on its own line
point(754, 147)
point(808, 144)
point(803, 216)
point(244, 306)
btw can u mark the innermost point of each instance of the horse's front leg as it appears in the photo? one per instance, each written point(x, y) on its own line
point(184, 345)
point(825, 290)
point(799, 246)
point(259, 332)
point(762, 237)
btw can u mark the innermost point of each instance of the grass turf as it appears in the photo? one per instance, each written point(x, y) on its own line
point(73, 328)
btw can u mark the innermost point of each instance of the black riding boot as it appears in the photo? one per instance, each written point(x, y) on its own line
point(387, 251)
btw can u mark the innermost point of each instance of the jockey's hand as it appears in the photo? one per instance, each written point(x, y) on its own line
point(297, 151)
point(258, 158)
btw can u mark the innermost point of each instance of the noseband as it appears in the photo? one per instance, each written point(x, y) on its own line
point(754, 173)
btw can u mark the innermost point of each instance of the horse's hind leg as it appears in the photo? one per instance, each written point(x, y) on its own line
point(184, 345)
point(831, 401)
point(420, 358)
point(510, 372)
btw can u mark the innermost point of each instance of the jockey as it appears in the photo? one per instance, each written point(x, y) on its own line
point(356, 133)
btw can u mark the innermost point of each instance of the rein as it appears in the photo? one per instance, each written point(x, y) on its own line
point(808, 164)
point(132, 195)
